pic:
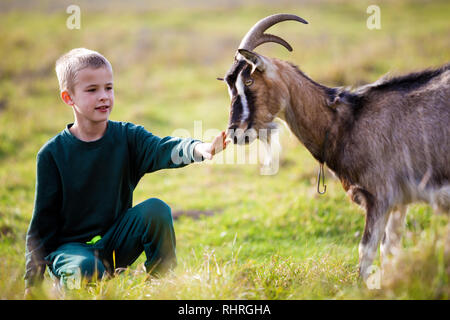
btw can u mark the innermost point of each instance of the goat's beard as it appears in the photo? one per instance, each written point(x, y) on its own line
point(270, 149)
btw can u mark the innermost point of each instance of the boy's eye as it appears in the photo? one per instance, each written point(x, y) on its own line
point(91, 90)
point(109, 88)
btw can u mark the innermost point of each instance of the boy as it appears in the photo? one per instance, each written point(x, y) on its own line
point(83, 223)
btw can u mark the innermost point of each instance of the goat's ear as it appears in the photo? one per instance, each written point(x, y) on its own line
point(254, 59)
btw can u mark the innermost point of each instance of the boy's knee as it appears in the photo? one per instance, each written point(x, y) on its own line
point(156, 209)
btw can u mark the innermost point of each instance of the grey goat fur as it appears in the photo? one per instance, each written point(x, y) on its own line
point(388, 142)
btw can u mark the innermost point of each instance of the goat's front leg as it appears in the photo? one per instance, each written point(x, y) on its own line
point(376, 218)
point(391, 243)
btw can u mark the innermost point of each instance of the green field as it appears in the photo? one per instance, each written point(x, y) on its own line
point(256, 236)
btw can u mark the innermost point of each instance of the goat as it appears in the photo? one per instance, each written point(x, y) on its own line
point(388, 142)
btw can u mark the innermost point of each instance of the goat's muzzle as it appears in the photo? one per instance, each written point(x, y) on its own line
point(241, 134)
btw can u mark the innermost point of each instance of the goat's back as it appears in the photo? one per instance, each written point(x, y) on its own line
point(401, 133)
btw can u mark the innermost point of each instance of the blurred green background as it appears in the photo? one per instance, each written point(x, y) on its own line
point(255, 237)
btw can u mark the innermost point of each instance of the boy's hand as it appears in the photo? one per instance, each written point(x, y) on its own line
point(208, 150)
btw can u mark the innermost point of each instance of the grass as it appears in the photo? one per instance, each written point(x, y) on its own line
point(270, 237)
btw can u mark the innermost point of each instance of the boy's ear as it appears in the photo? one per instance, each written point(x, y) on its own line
point(65, 96)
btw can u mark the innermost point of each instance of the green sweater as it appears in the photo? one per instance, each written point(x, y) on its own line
point(83, 187)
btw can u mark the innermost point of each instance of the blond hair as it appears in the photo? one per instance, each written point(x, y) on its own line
point(69, 64)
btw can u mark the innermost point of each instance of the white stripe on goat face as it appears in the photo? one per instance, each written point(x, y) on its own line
point(241, 93)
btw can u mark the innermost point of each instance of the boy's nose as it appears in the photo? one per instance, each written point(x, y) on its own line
point(104, 96)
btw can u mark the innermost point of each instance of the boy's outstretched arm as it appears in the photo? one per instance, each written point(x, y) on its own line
point(208, 150)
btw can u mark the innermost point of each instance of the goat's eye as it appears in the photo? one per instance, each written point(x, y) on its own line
point(248, 82)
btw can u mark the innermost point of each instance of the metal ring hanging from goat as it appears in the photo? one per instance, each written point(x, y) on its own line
point(320, 174)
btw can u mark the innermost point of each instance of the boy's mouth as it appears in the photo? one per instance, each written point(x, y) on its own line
point(102, 108)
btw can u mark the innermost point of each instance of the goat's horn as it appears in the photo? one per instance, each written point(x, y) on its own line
point(256, 35)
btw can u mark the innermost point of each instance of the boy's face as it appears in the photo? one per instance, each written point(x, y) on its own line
point(92, 98)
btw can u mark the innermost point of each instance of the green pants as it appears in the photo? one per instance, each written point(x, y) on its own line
point(146, 227)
